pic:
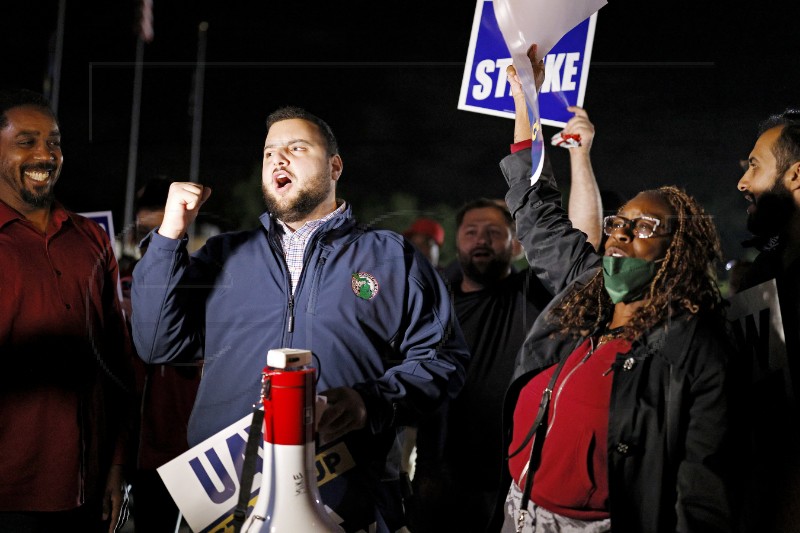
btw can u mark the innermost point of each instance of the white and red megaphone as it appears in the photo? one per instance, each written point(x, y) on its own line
point(289, 499)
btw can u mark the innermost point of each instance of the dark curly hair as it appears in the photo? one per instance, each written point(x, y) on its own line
point(686, 279)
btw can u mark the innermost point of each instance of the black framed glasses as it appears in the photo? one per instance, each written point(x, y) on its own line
point(642, 227)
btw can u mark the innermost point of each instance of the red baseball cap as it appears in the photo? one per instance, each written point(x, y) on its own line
point(426, 226)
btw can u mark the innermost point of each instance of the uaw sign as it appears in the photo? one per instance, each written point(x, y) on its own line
point(204, 481)
point(485, 89)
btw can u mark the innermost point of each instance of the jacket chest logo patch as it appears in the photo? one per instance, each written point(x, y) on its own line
point(364, 285)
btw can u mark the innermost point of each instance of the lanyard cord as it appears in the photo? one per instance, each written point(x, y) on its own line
point(254, 441)
point(539, 430)
point(544, 404)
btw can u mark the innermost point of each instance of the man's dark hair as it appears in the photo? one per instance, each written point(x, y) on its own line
point(480, 203)
point(787, 147)
point(290, 112)
point(11, 98)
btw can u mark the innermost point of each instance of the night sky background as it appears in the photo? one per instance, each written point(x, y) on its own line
point(675, 90)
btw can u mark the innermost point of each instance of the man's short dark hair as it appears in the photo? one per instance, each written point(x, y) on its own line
point(481, 203)
point(290, 112)
point(11, 98)
point(787, 147)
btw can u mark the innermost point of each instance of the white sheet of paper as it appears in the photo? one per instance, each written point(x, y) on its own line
point(544, 22)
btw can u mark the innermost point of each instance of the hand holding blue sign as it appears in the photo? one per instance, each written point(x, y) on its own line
point(537, 67)
point(578, 132)
point(520, 83)
point(485, 87)
point(523, 22)
point(522, 124)
point(509, 29)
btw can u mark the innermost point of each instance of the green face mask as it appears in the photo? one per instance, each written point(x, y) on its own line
point(627, 278)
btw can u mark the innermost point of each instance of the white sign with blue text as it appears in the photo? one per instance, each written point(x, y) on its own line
point(485, 89)
point(204, 481)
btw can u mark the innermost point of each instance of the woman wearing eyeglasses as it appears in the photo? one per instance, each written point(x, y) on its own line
point(619, 411)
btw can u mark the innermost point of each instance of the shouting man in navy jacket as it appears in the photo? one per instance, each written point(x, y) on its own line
point(372, 310)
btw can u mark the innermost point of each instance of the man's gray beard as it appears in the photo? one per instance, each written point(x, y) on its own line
point(774, 210)
point(306, 202)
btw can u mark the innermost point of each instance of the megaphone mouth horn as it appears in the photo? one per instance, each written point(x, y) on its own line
point(288, 498)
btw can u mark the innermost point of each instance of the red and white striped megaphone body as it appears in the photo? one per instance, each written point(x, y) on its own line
point(288, 500)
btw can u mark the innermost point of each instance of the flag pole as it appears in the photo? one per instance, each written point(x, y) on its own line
point(133, 143)
point(197, 113)
point(58, 52)
point(144, 34)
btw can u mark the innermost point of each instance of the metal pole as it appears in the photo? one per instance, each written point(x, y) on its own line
point(57, 56)
point(197, 113)
point(133, 146)
point(178, 523)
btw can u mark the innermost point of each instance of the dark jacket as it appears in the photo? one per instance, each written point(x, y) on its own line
point(373, 311)
point(233, 299)
point(668, 434)
point(773, 503)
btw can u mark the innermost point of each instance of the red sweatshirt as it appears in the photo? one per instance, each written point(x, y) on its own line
point(572, 479)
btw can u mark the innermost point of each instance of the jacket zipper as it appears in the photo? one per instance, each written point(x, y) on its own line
point(557, 395)
point(290, 329)
point(288, 277)
point(307, 255)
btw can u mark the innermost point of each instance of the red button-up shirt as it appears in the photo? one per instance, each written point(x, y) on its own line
point(64, 362)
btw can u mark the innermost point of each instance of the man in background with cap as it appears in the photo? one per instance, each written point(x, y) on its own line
point(427, 236)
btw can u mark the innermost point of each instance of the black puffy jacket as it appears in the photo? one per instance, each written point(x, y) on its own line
point(669, 435)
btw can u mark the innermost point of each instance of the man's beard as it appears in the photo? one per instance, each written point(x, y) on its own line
point(485, 274)
point(314, 192)
point(42, 199)
point(773, 210)
point(41, 196)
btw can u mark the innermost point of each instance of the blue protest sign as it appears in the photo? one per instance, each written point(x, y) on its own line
point(484, 88)
point(105, 219)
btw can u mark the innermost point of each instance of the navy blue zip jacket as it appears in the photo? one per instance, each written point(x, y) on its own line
point(372, 310)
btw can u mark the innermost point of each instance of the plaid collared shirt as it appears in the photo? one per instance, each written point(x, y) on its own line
point(294, 243)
